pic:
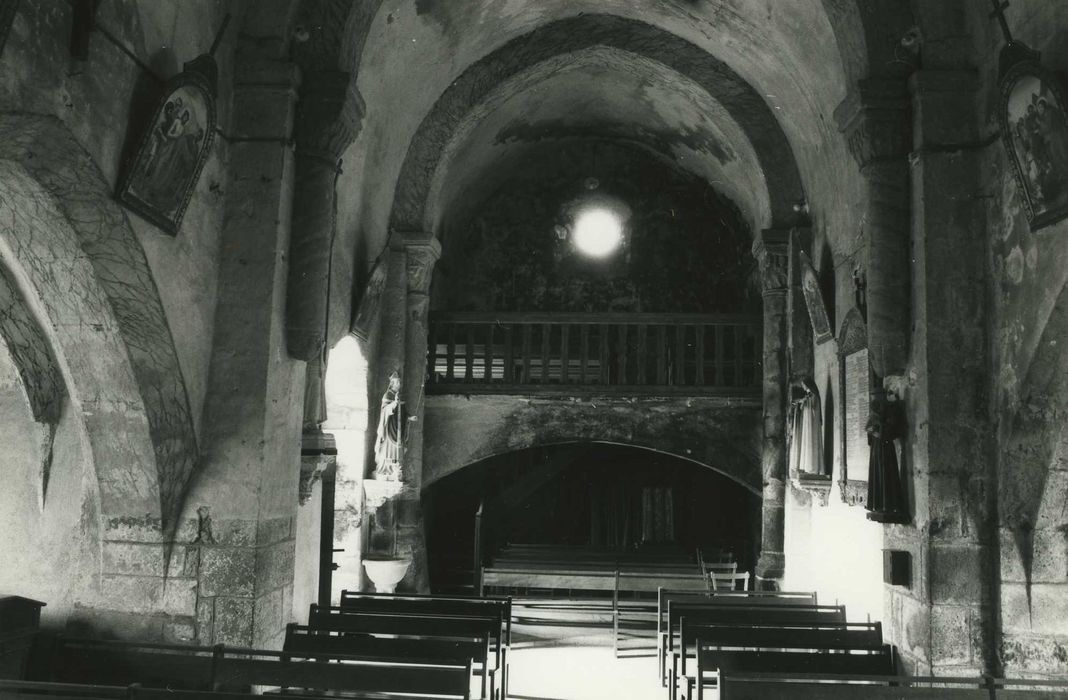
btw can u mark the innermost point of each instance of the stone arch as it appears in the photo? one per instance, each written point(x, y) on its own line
point(754, 489)
point(37, 372)
point(49, 154)
point(724, 436)
point(58, 281)
point(453, 107)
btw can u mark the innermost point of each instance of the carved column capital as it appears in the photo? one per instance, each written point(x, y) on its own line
point(772, 251)
point(422, 250)
point(329, 115)
point(875, 117)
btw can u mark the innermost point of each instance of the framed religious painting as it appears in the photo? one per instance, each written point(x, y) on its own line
point(1034, 128)
point(161, 175)
point(817, 310)
point(854, 388)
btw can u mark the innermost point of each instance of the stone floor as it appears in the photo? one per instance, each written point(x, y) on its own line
point(581, 673)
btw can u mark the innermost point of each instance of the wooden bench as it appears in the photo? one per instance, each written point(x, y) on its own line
point(501, 607)
point(423, 625)
point(840, 635)
point(740, 614)
point(712, 659)
point(307, 642)
point(666, 596)
point(176, 668)
point(760, 686)
point(35, 690)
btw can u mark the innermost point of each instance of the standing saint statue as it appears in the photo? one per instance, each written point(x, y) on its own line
point(392, 431)
point(806, 432)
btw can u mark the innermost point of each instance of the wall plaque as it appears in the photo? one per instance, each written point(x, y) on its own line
point(854, 384)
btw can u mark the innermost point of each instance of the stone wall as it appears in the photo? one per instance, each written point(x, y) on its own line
point(723, 434)
point(1028, 394)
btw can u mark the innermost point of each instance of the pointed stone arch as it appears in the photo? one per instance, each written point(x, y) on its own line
point(57, 279)
point(48, 153)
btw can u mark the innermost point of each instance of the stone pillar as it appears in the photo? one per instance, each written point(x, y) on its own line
point(381, 496)
point(328, 120)
point(423, 251)
point(875, 118)
point(244, 499)
point(772, 253)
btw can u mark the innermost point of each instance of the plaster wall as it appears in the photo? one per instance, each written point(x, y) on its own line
point(60, 535)
point(427, 47)
point(721, 433)
point(96, 100)
point(1028, 395)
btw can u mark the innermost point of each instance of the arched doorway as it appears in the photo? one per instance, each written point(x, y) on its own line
point(589, 493)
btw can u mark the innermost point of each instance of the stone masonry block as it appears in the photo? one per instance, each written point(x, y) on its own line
point(915, 622)
point(274, 566)
point(272, 531)
point(180, 597)
point(950, 635)
point(227, 571)
point(205, 621)
point(233, 621)
point(134, 559)
point(136, 594)
point(955, 574)
point(179, 632)
point(1047, 614)
point(1049, 563)
point(1026, 655)
point(269, 619)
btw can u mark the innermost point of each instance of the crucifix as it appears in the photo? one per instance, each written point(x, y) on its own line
point(999, 11)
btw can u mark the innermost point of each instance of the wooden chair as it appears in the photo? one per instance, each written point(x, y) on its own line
point(730, 581)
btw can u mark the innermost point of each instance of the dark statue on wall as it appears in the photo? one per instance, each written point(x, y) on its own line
point(159, 180)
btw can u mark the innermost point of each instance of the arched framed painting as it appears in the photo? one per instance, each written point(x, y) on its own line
point(160, 177)
point(1034, 127)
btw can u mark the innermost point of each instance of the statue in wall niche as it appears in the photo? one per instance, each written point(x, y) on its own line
point(806, 432)
point(392, 432)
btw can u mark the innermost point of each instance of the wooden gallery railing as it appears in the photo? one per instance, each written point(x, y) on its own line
point(486, 352)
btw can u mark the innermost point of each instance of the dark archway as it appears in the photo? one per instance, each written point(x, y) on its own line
point(591, 493)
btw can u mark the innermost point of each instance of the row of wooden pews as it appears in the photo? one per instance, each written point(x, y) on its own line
point(402, 646)
point(752, 645)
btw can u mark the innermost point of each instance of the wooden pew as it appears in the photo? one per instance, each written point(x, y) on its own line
point(759, 686)
point(864, 636)
point(307, 642)
point(740, 614)
point(666, 598)
point(839, 635)
point(35, 690)
point(453, 627)
point(500, 607)
point(712, 659)
point(175, 668)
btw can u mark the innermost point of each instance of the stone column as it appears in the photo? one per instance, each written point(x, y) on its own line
point(328, 119)
point(422, 252)
point(875, 118)
point(244, 499)
point(387, 356)
point(772, 253)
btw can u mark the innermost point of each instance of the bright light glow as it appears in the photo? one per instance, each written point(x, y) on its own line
point(598, 232)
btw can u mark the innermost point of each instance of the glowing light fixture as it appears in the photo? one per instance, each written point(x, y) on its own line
point(598, 232)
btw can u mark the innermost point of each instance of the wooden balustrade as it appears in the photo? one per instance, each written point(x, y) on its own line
point(614, 352)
